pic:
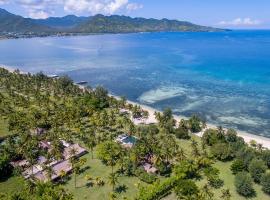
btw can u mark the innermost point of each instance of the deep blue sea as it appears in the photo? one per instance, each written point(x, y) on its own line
point(223, 77)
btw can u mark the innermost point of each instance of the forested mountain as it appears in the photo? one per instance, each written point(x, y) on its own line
point(16, 26)
point(14, 23)
point(69, 21)
point(124, 24)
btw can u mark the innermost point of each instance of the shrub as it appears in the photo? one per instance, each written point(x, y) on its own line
point(5, 167)
point(182, 133)
point(212, 177)
point(157, 190)
point(195, 124)
point(237, 166)
point(231, 135)
point(266, 157)
point(164, 169)
point(246, 154)
point(210, 137)
point(144, 176)
point(244, 185)
point(186, 189)
point(215, 182)
point(257, 168)
point(222, 151)
point(265, 182)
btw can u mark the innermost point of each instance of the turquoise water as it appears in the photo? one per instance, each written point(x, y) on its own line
point(223, 77)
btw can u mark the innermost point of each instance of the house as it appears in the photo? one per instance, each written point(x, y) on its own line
point(58, 166)
point(149, 168)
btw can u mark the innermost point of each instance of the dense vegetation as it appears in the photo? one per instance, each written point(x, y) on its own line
point(186, 169)
point(17, 26)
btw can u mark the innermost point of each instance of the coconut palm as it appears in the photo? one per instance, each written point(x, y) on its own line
point(206, 193)
point(73, 161)
point(113, 180)
point(226, 194)
point(195, 148)
point(181, 155)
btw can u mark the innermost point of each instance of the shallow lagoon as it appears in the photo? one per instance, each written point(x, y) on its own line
point(224, 77)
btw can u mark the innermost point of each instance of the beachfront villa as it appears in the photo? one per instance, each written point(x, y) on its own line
point(58, 167)
point(126, 140)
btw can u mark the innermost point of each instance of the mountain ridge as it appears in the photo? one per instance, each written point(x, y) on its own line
point(15, 26)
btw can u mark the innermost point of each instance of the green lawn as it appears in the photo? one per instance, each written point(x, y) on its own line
point(228, 177)
point(11, 185)
point(3, 128)
point(97, 169)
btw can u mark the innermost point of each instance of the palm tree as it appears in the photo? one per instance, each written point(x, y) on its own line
point(49, 172)
point(181, 155)
point(62, 175)
point(226, 194)
point(99, 181)
point(195, 149)
point(206, 193)
point(90, 141)
point(113, 180)
point(73, 161)
point(113, 196)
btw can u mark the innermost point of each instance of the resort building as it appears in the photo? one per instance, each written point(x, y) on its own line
point(58, 167)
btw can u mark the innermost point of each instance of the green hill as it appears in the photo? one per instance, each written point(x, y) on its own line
point(14, 26)
point(124, 24)
point(14, 23)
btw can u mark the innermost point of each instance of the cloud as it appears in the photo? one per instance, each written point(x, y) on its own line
point(99, 6)
point(46, 8)
point(38, 14)
point(240, 22)
point(4, 2)
point(39, 8)
point(134, 6)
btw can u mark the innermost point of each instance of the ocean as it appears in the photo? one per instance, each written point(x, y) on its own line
point(223, 77)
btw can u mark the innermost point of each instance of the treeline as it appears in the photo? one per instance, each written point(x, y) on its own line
point(250, 162)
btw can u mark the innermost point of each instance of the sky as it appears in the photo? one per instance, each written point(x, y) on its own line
point(236, 14)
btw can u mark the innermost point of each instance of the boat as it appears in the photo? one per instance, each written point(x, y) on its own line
point(81, 82)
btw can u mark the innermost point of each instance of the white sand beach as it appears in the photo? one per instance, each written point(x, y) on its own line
point(246, 136)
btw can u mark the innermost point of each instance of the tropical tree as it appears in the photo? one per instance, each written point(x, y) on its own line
point(109, 152)
point(206, 193)
point(195, 148)
point(226, 194)
point(265, 182)
point(74, 163)
point(186, 189)
point(113, 180)
point(257, 168)
point(244, 185)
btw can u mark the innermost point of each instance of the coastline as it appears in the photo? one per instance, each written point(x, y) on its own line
point(245, 135)
point(151, 119)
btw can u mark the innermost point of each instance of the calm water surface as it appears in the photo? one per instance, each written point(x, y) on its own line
point(224, 77)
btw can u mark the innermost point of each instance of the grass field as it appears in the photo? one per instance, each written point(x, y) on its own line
point(97, 169)
point(3, 128)
point(11, 185)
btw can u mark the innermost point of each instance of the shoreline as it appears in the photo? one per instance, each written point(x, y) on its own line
point(245, 135)
point(151, 119)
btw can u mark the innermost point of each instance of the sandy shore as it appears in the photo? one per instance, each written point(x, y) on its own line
point(151, 119)
point(245, 135)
